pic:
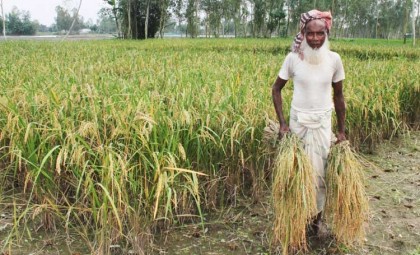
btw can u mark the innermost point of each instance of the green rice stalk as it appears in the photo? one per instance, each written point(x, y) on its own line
point(293, 193)
point(346, 204)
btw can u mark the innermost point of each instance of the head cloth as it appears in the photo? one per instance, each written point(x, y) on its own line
point(304, 19)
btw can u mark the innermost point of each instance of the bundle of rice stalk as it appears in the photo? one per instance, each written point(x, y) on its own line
point(293, 194)
point(346, 205)
point(271, 133)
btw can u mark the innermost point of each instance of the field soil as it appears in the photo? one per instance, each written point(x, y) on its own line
point(393, 228)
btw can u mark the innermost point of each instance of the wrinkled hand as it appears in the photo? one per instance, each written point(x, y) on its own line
point(341, 137)
point(283, 131)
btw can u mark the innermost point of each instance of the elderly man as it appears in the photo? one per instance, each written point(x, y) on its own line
point(316, 72)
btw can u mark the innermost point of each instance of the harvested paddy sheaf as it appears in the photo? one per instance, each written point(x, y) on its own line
point(120, 139)
point(346, 205)
point(293, 193)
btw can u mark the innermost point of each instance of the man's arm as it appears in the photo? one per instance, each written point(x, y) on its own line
point(278, 105)
point(340, 110)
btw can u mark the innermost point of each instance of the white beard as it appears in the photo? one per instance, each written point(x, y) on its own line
point(315, 56)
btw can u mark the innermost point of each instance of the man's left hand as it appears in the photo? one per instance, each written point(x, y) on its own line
point(341, 137)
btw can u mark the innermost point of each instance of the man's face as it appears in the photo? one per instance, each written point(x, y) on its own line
point(315, 33)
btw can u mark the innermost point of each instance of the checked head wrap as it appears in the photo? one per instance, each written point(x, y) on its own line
point(304, 19)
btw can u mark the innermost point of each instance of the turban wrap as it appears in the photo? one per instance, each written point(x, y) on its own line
point(304, 19)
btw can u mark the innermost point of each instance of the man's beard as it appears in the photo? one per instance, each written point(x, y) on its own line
point(315, 56)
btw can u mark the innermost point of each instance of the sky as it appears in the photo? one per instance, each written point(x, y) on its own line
point(44, 10)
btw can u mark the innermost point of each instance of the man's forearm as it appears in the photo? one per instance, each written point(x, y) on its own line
point(340, 107)
point(278, 106)
point(340, 110)
point(278, 100)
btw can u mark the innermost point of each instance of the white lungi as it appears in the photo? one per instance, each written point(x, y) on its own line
point(314, 128)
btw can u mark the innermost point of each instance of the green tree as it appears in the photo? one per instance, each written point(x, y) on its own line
point(116, 14)
point(165, 14)
point(234, 12)
point(63, 19)
point(142, 20)
point(276, 16)
point(259, 12)
point(3, 23)
point(214, 12)
point(138, 19)
point(179, 13)
point(20, 23)
point(191, 14)
point(106, 22)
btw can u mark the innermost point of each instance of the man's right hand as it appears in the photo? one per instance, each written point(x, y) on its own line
point(284, 129)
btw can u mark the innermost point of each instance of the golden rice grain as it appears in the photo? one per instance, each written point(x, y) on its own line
point(346, 205)
point(293, 193)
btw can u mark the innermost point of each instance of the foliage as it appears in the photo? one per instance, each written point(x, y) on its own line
point(263, 18)
point(213, 9)
point(135, 14)
point(109, 138)
point(106, 23)
point(415, 252)
point(20, 23)
point(192, 18)
point(64, 19)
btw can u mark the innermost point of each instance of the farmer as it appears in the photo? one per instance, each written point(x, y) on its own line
point(315, 71)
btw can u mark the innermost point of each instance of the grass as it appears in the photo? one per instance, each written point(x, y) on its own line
point(415, 252)
point(116, 139)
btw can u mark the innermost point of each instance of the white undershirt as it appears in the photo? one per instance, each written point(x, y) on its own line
point(312, 83)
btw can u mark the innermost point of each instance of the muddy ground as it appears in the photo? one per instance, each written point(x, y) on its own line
point(393, 227)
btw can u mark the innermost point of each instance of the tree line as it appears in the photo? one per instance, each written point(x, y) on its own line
point(19, 22)
point(140, 19)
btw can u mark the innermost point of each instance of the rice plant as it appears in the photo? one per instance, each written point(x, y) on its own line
point(346, 204)
point(118, 139)
point(293, 194)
